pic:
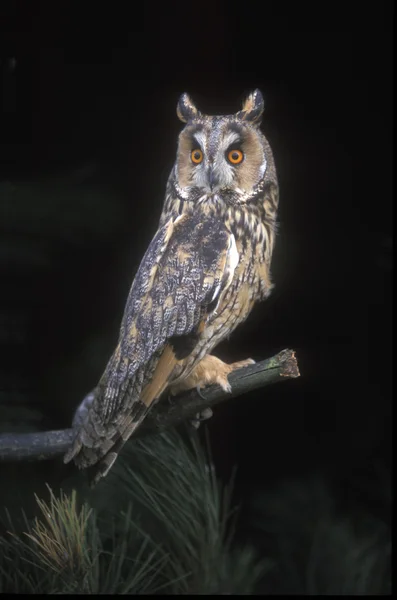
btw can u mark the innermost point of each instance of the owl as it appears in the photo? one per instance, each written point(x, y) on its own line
point(205, 268)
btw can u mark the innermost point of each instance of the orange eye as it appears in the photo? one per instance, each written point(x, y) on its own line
point(197, 156)
point(235, 157)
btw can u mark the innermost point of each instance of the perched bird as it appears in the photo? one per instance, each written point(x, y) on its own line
point(207, 265)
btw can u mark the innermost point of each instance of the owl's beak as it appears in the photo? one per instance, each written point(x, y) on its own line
point(213, 179)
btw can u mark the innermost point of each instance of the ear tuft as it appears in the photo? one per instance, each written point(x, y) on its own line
point(253, 108)
point(185, 109)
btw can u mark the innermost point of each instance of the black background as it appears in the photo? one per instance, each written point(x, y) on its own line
point(89, 93)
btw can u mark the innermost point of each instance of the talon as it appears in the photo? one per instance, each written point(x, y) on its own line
point(225, 385)
point(199, 393)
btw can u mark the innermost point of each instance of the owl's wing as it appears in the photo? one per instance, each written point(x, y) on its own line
point(186, 269)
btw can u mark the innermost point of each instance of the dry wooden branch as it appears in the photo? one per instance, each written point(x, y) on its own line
point(46, 445)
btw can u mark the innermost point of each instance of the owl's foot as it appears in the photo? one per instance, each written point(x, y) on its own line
point(204, 415)
point(210, 370)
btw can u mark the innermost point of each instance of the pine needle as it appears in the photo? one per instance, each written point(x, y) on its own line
point(168, 530)
point(183, 507)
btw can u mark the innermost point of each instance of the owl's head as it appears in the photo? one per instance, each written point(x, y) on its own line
point(227, 156)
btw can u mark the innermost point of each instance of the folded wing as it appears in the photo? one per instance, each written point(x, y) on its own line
point(186, 269)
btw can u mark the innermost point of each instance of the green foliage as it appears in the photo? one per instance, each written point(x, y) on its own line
point(183, 507)
point(160, 523)
point(60, 539)
point(317, 549)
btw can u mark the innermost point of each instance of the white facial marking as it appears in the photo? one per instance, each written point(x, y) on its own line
point(262, 168)
point(201, 139)
point(229, 139)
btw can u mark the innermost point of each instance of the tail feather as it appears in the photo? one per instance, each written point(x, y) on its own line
point(100, 454)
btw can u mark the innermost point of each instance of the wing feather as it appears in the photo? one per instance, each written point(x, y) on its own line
point(187, 267)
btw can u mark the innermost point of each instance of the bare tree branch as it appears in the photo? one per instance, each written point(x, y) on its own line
point(46, 445)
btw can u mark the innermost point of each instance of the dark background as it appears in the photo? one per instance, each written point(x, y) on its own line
point(88, 137)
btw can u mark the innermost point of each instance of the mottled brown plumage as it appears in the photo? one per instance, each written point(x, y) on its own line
point(205, 268)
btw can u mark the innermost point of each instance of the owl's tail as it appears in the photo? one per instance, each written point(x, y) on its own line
point(99, 458)
point(103, 466)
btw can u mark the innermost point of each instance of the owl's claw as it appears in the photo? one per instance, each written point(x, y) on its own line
point(198, 390)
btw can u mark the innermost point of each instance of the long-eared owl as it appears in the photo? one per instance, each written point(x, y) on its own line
point(205, 268)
